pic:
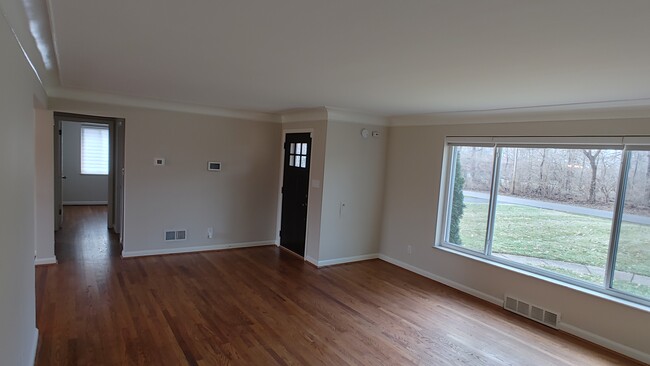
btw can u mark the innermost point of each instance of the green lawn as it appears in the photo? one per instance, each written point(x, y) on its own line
point(547, 234)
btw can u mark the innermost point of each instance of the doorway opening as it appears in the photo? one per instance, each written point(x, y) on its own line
point(88, 179)
point(295, 192)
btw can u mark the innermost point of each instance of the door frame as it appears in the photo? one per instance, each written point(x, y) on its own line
point(116, 127)
point(310, 131)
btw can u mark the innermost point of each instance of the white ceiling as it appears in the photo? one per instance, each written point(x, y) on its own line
point(383, 57)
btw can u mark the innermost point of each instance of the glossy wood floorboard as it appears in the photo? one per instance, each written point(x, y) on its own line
point(263, 306)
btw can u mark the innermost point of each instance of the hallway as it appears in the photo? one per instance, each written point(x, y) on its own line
point(84, 236)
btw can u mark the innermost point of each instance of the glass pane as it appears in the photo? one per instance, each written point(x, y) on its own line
point(632, 272)
point(298, 149)
point(470, 183)
point(303, 161)
point(555, 207)
point(291, 158)
point(304, 149)
point(292, 148)
point(94, 150)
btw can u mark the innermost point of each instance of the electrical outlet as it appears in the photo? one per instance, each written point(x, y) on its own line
point(210, 233)
point(409, 249)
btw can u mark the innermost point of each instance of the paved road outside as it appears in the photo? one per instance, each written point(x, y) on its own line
point(480, 197)
point(576, 268)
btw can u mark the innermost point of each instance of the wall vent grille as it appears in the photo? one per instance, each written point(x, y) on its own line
point(533, 312)
point(175, 235)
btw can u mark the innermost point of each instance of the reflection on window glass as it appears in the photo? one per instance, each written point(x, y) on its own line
point(292, 148)
point(555, 207)
point(470, 192)
point(632, 266)
point(304, 148)
point(291, 159)
point(303, 161)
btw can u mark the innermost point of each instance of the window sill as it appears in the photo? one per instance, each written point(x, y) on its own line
point(602, 294)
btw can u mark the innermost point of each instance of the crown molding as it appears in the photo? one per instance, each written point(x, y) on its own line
point(331, 114)
point(125, 101)
point(29, 22)
point(626, 109)
point(348, 116)
point(304, 115)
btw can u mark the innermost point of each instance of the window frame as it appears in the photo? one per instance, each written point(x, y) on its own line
point(625, 144)
point(96, 126)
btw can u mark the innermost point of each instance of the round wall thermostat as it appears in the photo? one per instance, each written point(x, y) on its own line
point(365, 133)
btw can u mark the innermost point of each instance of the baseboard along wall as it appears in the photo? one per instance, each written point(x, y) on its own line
point(202, 248)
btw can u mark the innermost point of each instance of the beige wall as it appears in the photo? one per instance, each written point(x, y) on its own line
point(19, 92)
point(239, 203)
point(352, 192)
point(44, 187)
point(411, 205)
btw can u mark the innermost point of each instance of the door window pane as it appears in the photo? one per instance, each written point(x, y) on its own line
point(555, 207)
point(470, 191)
point(632, 266)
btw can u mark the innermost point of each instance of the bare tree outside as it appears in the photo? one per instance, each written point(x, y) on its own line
point(592, 155)
point(647, 185)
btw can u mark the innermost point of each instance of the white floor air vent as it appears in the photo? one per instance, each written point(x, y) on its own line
point(175, 235)
point(532, 312)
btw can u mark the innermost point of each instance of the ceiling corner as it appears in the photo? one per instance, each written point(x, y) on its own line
point(30, 23)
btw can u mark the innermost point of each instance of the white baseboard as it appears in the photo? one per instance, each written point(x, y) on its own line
point(568, 328)
point(44, 261)
point(203, 248)
point(311, 260)
point(605, 342)
point(450, 283)
point(356, 258)
point(34, 348)
point(84, 203)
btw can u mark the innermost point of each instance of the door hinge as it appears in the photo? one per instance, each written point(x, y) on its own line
point(60, 133)
point(60, 211)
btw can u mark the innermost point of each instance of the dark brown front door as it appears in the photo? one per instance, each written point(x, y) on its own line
point(295, 189)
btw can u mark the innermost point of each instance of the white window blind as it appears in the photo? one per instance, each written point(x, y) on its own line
point(94, 150)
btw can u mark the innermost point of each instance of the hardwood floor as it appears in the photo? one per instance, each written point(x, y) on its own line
point(263, 306)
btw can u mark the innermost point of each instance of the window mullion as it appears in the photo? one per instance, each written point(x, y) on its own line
point(450, 188)
point(494, 190)
point(617, 219)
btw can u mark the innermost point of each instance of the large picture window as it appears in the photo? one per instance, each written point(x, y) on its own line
point(94, 150)
point(574, 209)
